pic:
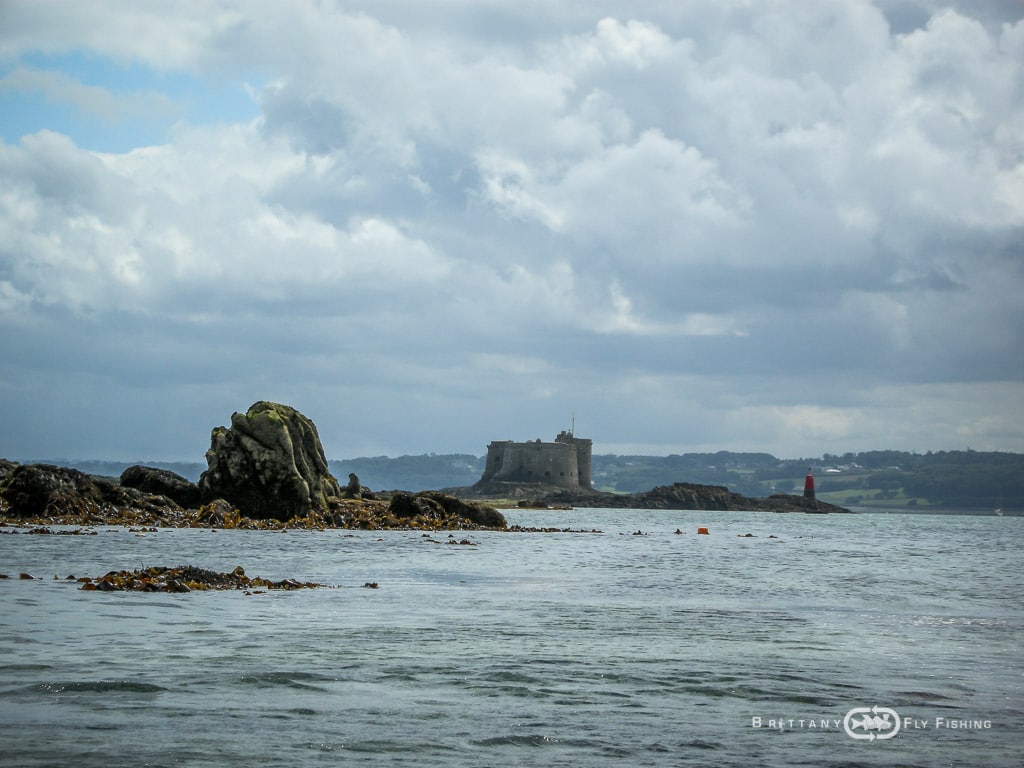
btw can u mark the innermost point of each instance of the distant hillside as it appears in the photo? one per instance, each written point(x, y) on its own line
point(187, 469)
point(427, 472)
point(941, 480)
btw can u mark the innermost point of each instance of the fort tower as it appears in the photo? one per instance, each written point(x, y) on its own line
point(564, 463)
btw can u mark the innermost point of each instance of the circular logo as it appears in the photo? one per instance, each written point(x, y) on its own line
point(871, 723)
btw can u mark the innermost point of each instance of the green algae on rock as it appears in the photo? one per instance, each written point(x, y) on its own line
point(269, 464)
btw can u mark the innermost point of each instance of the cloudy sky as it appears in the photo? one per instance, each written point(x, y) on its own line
point(790, 226)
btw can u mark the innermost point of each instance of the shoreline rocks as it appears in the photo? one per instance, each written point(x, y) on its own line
point(268, 471)
point(48, 491)
point(681, 496)
point(43, 494)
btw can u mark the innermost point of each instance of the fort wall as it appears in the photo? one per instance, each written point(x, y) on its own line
point(564, 463)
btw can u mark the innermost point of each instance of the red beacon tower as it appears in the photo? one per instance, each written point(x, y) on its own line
point(809, 485)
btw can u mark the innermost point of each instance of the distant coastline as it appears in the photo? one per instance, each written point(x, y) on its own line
point(945, 481)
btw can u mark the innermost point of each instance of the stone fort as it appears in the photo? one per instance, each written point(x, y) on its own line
point(564, 463)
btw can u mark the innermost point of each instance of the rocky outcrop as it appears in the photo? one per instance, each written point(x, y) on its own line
point(675, 496)
point(354, 489)
point(503, 489)
point(44, 490)
point(433, 505)
point(409, 505)
point(691, 496)
point(270, 464)
point(184, 578)
point(480, 514)
point(162, 481)
point(784, 502)
point(38, 494)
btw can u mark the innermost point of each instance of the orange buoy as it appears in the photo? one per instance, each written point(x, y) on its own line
point(704, 531)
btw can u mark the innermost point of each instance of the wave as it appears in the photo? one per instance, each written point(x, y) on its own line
point(98, 686)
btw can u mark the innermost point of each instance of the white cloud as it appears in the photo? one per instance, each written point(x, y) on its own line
point(536, 203)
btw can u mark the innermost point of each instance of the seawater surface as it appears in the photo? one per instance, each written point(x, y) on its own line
point(527, 649)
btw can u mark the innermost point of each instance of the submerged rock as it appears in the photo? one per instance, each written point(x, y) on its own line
point(185, 578)
point(270, 464)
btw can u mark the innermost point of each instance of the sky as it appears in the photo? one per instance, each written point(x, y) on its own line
point(745, 225)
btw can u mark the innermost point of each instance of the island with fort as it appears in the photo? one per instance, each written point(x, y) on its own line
point(558, 474)
point(268, 470)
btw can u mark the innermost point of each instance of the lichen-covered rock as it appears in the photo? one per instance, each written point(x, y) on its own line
point(270, 464)
point(6, 468)
point(162, 481)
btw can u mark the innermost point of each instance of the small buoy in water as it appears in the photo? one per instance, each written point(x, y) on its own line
point(703, 531)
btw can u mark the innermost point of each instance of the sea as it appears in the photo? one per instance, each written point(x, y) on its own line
point(869, 639)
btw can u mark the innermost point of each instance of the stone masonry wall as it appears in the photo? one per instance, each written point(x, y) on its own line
point(558, 463)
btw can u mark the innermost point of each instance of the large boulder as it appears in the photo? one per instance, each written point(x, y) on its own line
point(269, 464)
